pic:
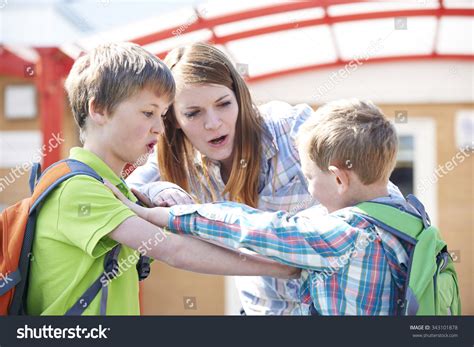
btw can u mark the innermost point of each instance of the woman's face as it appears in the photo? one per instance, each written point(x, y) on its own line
point(207, 114)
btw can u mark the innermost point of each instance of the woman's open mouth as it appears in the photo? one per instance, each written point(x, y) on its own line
point(219, 141)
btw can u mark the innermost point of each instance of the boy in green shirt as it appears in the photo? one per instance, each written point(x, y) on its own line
point(118, 94)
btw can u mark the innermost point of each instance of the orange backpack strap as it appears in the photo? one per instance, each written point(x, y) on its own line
point(57, 174)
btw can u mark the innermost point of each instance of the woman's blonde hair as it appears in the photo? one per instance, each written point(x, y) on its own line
point(201, 63)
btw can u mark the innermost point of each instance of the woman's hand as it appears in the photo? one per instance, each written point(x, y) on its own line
point(145, 200)
point(162, 193)
point(172, 196)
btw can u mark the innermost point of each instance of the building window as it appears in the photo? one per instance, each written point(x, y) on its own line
point(416, 161)
point(402, 175)
point(20, 102)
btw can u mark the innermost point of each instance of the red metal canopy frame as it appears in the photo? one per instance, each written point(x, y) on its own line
point(328, 20)
point(53, 65)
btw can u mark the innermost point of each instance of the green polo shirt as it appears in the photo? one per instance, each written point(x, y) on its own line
point(71, 242)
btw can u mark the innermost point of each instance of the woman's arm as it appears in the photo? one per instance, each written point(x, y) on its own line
point(144, 173)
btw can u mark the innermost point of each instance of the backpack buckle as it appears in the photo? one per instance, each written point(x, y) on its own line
point(111, 266)
point(443, 256)
point(143, 268)
point(417, 205)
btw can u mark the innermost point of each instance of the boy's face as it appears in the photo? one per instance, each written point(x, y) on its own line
point(130, 131)
point(321, 185)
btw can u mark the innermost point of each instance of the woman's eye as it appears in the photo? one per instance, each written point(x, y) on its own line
point(148, 114)
point(224, 104)
point(191, 114)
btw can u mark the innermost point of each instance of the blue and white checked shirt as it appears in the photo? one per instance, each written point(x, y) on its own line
point(352, 267)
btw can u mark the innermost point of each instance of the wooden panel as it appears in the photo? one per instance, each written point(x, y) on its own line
point(169, 291)
point(13, 186)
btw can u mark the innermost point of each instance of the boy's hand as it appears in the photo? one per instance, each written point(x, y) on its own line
point(119, 195)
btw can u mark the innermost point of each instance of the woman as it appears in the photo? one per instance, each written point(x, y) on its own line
point(218, 145)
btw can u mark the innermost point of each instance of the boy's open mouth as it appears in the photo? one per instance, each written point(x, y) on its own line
point(151, 146)
point(218, 140)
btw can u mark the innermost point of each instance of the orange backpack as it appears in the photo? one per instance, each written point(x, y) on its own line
point(17, 228)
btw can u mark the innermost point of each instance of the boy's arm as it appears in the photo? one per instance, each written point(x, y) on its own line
point(315, 243)
point(311, 243)
point(192, 254)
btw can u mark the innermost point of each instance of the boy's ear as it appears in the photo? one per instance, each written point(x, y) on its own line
point(341, 177)
point(97, 115)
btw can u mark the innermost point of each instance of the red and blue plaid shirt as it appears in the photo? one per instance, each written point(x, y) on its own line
point(351, 267)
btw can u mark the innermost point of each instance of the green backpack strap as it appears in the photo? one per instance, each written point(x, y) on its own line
point(407, 226)
point(404, 226)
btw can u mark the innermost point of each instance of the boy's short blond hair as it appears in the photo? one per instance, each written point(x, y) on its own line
point(351, 134)
point(111, 73)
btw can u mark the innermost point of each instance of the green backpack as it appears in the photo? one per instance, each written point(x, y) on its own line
point(432, 283)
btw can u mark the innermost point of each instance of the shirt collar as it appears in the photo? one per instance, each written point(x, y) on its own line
point(269, 144)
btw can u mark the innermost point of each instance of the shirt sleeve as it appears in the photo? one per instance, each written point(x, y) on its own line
point(299, 241)
point(87, 212)
point(286, 119)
